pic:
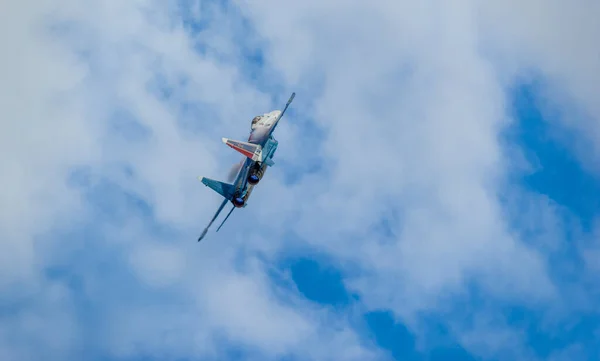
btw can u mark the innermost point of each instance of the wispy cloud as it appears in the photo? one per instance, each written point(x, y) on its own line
point(394, 167)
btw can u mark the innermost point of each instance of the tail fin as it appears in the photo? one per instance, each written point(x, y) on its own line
point(252, 151)
point(225, 189)
point(225, 220)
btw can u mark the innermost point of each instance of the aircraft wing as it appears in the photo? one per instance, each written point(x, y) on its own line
point(213, 219)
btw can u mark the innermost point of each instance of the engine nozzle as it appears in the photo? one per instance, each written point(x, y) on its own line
point(253, 179)
point(238, 202)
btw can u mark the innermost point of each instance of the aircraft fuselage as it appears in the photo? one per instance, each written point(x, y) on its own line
point(260, 134)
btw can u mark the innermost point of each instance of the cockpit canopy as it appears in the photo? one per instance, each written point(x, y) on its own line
point(255, 120)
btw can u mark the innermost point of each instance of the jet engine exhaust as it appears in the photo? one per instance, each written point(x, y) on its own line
point(256, 175)
point(238, 202)
point(253, 179)
point(235, 169)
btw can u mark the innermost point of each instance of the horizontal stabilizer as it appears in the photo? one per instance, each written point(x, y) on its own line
point(252, 151)
point(225, 189)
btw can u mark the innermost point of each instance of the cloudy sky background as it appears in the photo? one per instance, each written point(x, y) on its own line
point(435, 194)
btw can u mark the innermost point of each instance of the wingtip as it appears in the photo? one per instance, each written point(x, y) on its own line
point(224, 140)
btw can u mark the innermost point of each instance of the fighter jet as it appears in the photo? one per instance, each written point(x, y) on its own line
point(258, 152)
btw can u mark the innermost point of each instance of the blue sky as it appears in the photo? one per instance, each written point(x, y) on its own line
point(435, 193)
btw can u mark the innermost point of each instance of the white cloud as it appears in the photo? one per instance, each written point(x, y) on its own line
point(430, 147)
point(158, 265)
point(48, 323)
point(558, 40)
point(36, 97)
point(411, 106)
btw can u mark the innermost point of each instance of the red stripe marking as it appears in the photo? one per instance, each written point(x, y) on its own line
point(243, 151)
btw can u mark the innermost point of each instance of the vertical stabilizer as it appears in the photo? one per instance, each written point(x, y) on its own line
point(250, 150)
